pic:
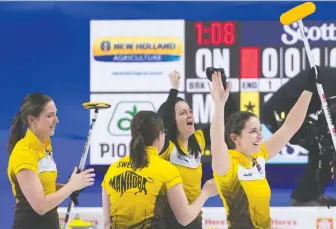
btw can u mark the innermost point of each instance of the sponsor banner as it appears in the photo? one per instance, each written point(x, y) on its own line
point(257, 66)
point(319, 33)
point(111, 134)
point(135, 55)
point(281, 217)
point(215, 217)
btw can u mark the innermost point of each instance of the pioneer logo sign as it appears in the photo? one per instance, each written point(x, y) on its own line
point(130, 180)
point(124, 111)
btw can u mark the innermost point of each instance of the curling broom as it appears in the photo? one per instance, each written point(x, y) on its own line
point(296, 14)
point(89, 105)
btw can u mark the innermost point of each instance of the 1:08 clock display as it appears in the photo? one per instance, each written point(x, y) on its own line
point(218, 33)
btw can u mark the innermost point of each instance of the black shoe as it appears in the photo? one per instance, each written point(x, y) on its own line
point(305, 203)
point(329, 201)
point(319, 201)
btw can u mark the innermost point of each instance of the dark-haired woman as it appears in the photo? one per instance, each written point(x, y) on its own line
point(31, 168)
point(185, 145)
point(137, 188)
point(239, 164)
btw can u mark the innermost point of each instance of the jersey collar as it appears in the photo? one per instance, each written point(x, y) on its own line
point(242, 158)
point(152, 151)
point(35, 143)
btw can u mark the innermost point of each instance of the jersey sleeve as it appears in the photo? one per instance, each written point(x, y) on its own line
point(228, 176)
point(106, 180)
point(23, 159)
point(166, 153)
point(173, 176)
point(104, 183)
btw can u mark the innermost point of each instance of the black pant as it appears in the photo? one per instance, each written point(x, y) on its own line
point(172, 223)
point(29, 219)
point(309, 188)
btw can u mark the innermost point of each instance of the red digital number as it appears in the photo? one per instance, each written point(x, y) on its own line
point(222, 33)
point(199, 33)
point(219, 33)
point(229, 33)
point(216, 33)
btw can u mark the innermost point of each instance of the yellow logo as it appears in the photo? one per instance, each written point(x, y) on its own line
point(137, 49)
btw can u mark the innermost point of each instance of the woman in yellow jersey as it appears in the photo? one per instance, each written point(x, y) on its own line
point(239, 165)
point(137, 188)
point(184, 146)
point(31, 167)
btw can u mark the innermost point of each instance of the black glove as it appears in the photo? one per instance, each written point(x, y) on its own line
point(311, 81)
point(74, 197)
point(75, 194)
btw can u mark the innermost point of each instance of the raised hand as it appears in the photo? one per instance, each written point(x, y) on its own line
point(218, 93)
point(175, 79)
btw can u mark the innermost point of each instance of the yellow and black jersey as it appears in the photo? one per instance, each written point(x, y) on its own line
point(138, 198)
point(189, 166)
point(29, 153)
point(245, 191)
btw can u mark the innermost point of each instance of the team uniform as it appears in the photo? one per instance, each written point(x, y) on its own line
point(29, 153)
point(245, 191)
point(190, 168)
point(138, 198)
point(188, 165)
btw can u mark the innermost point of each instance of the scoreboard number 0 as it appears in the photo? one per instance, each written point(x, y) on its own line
point(291, 61)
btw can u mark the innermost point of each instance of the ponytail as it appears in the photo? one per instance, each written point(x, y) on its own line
point(16, 132)
point(138, 155)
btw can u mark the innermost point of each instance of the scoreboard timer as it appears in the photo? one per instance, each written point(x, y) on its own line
point(217, 33)
point(257, 56)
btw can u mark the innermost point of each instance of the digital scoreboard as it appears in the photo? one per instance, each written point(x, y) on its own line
point(257, 56)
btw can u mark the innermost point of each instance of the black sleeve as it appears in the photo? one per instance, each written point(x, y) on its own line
point(230, 107)
point(166, 111)
point(284, 99)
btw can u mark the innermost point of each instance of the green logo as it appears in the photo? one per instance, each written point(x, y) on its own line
point(120, 122)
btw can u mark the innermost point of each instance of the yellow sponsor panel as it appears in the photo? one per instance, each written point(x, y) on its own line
point(137, 45)
point(249, 101)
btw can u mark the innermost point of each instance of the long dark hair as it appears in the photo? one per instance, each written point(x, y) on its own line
point(33, 104)
point(193, 145)
point(146, 126)
point(235, 124)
